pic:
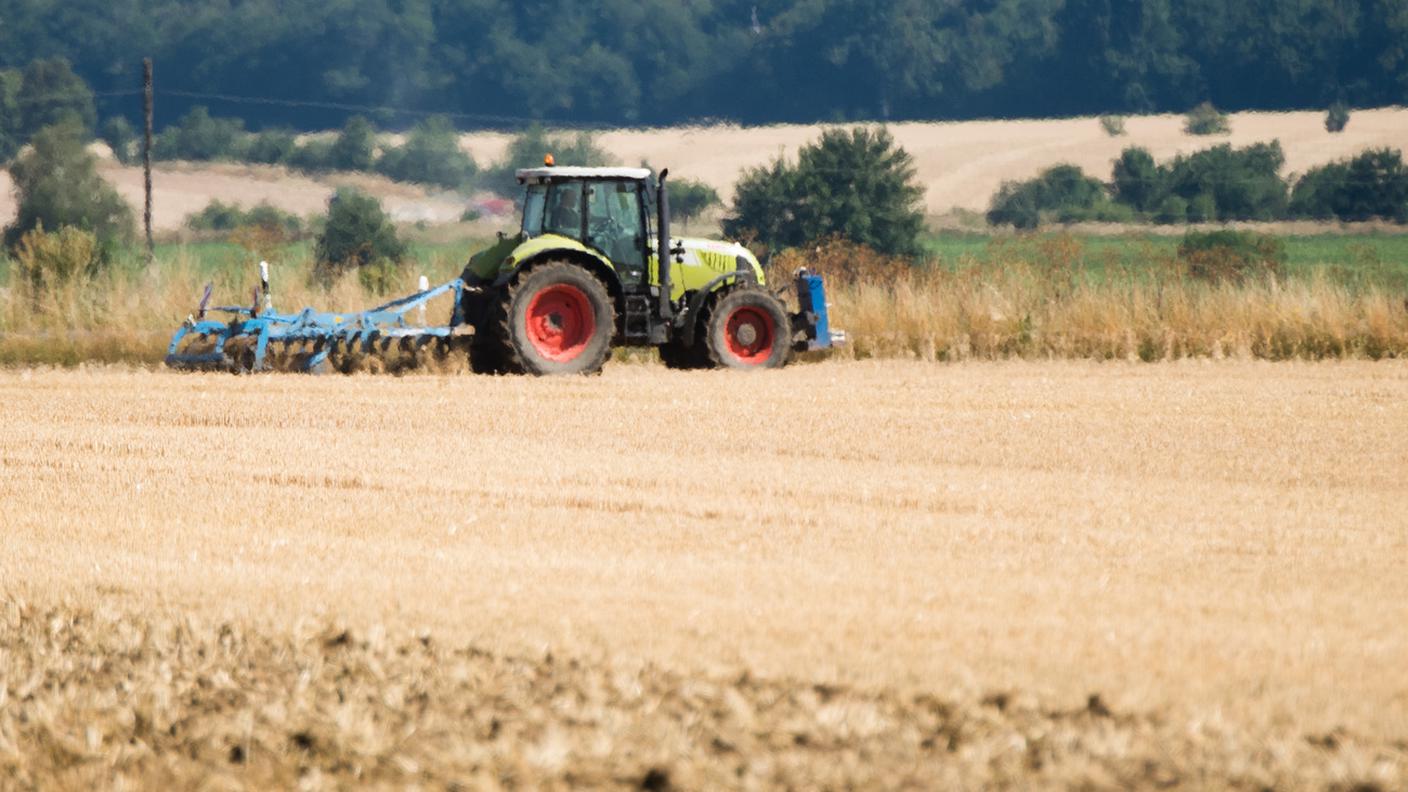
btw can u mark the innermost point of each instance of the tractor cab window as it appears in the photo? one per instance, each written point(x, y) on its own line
point(535, 205)
point(564, 210)
point(614, 226)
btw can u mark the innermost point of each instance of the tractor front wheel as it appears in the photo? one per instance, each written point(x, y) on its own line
point(558, 319)
point(749, 329)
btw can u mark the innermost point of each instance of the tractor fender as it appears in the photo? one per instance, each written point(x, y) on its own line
point(576, 253)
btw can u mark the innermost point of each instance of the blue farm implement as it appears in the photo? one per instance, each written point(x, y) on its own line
point(255, 339)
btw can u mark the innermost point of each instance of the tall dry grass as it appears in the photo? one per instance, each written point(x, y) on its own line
point(1029, 300)
point(1042, 301)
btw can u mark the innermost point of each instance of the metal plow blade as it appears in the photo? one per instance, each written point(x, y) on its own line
point(377, 340)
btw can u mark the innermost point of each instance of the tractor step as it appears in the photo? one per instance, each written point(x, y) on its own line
point(638, 326)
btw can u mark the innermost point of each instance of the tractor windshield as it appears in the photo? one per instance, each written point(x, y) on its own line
point(533, 205)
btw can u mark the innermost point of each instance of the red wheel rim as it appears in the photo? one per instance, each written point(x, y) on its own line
point(749, 333)
point(561, 322)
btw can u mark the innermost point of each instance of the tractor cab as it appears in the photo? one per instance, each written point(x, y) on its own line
point(602, 208)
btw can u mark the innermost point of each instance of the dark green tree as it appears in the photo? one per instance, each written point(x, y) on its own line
point(430, 155)
point(855, 184)
point(1062, 193)
point(1372, 185)
point(50, 93)
point(527, 150)
point(272, 147)
point(199, 136)
point(1138, 181)
point(357, 235)
point(355, 147)
point(690, 198)
point(58, 186)
point(118, 133)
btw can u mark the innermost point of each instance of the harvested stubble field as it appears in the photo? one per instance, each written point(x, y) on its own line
point(843, 574)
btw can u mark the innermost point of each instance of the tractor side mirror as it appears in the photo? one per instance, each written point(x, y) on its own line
point(678, 252)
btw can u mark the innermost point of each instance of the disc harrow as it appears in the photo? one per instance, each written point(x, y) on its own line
point(257, 338)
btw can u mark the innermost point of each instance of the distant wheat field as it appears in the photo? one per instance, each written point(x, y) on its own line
point(961, 164)
point(846, 573)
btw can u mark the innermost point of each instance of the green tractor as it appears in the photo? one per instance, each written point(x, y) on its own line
point(586, 272)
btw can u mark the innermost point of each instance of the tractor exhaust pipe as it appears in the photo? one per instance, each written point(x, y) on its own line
point(662, 226)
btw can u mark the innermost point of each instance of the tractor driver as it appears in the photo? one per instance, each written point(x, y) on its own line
point(566, 215)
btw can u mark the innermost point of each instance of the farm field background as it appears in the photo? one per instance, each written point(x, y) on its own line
point(961, 164)
point(1199, 563)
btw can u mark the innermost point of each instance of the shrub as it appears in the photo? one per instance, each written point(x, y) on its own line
point(431, 155)
point(1244, 184)
point(46, 260)
point(1062, 193)
point(355, 147)
point(199, 137)
point(1372, 185)
point(1337, 117)
point(311, 156)
point(1172, 209)
point(1206, 120)
point(1113, 125)
point(1231, 255)
point(357, 234)
point(271, 147)
point(1202, 209)
point(1138, 180)
point(118, 133)
point(690, 198)
point(527, 150)
point(222, 217)
point(49, 94)
point(58, 186)
point(855, 184)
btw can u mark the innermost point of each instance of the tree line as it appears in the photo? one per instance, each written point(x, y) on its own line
point(496, 62)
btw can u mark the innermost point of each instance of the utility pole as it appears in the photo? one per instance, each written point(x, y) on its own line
point(147, 154)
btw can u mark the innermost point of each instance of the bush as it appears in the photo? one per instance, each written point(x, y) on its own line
point(1062, 193)
point(1372, 185)
point(222, 217)
point(58, 186)
point(1206, 120)
point(271, 147)
point(1172, 209)
point(311, 156)
point(1337, 117)
point(1202, 209)
point(1243, 184)
point(1113, 125)
point(431, 155)
point(854, 184)
point(49, 94)
point(47, 260)
point(357, 234)
point(1138, 181)
point(355, 147)
point(1231, 255)
point(200, 137)
point(118, 133)
point(690, 198)
point(527, 151)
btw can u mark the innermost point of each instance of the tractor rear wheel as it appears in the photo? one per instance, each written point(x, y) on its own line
point(557, 318)
point(749, 329)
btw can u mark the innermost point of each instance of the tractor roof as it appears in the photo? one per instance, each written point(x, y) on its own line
point(570, 172)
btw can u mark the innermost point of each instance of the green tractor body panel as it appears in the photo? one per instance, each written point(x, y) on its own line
point(703, 262)
point(700, 265)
